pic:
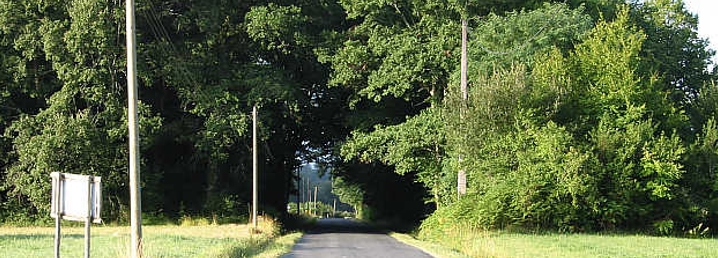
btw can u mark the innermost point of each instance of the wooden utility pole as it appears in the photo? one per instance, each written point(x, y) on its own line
point(134, 169)
point(315, 200)
point(299, 192)
point(461, 180)
point(464, 61)
point(254, 167)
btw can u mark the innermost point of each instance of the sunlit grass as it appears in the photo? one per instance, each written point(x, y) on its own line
point(519, 245)
point(232, 240)
point(434, 249)
point(281, 245)
point(582, 245)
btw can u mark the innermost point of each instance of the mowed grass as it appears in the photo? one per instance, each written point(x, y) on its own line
point(232, 240)
point(515, 245)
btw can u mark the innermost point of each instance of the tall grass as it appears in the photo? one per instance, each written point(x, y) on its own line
point(202, 240)
point(504, 244)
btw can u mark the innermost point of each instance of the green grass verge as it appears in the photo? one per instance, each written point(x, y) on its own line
point(431, 248)
point(516, 245)
point(223, 241)
point(280, 246)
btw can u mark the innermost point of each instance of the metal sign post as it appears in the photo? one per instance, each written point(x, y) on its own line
point(88, 220)
point(56, 208)
point(75, 198)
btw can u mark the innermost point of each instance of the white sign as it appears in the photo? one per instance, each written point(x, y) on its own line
point(75, 197)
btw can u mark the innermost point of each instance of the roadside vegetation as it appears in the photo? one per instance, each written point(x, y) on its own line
point(580, 118)
point(194, 238)
point(503, 244)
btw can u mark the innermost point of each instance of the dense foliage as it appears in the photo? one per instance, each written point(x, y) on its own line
point(588, 136)
point(582, 115)
point(577, 120)
point(203, 65)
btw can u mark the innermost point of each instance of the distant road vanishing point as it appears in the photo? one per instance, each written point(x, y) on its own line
point(343, 238)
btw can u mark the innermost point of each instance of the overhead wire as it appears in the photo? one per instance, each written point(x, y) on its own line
point(168, 48)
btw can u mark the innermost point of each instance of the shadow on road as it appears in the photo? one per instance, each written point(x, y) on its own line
point(336, 238)
point(338, 225)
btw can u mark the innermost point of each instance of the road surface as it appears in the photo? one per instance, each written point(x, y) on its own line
point(344, 238)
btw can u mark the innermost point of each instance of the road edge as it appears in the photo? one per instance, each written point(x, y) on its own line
point(280, 245)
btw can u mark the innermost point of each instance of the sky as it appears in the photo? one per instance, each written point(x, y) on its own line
point(707, 11)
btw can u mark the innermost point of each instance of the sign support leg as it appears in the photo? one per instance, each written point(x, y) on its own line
point(57, 233)
point(88, 220)
point(58, 215)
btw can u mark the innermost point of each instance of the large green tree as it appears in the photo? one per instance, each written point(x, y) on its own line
point(67, 63)
point(576, 136)
point(672, 48)
point(397, 59)
point(204, 64)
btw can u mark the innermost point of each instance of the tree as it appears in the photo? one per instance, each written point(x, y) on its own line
point(568, 137)
point(396, 59)
point(63, 62)
point(80, 127)
point(415, 146)
point(672, 48)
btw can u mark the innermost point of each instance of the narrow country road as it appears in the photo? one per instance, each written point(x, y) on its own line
point(343, 238)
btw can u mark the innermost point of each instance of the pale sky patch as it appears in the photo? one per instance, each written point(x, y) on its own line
point(707, 11)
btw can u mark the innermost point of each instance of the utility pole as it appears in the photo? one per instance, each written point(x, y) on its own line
point(334, 209)
point(133, 128)
point(464, 61)
point(461, 181)
point(299, 192)
point(315, 200)
point(254, 167)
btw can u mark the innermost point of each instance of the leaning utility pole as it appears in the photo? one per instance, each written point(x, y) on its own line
point(133, 126)
point(461, 181)
point(254, 167)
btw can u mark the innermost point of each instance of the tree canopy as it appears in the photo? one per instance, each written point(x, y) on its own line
point(582, 115)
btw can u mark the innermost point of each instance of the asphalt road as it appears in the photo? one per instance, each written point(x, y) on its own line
point(343, 238)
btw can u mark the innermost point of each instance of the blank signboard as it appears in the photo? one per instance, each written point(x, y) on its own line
point(71, 196)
